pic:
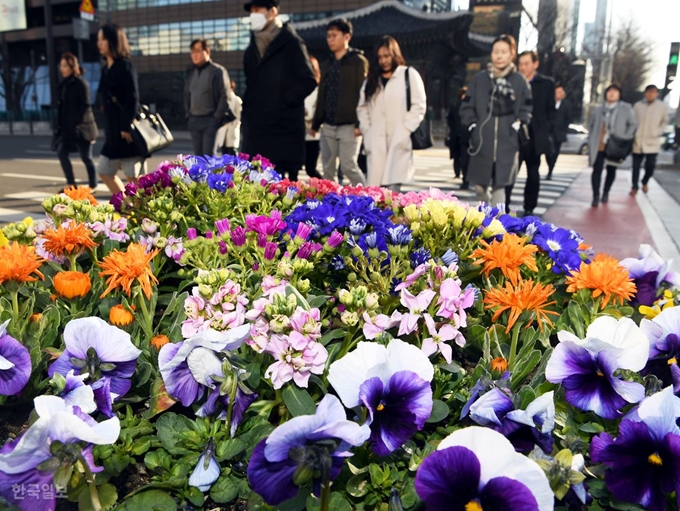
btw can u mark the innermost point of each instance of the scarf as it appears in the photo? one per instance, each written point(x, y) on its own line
point(264, 37)
point(500, 73)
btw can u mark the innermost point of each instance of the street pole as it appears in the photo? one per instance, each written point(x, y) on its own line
point(51, 57)
point(7, 78)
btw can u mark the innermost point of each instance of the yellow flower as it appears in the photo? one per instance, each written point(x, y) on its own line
point(120, 316)
point(526, 296)
point(603, 276)
point(412, 213)
point(124, 268)
point(508, 255)
point(72, 284)
point(474, 218)
point(493, 229)
point(3, 239)
point(660, 305)
point(28, 221)
point(459, 214)
point(19, 263)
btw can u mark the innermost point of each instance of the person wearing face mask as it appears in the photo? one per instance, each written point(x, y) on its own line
point(613, 118)
point(498, 100)
point(279, 77)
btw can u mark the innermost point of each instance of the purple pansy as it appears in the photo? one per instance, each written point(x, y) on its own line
point(95, 347)
point(478, 468)
point(663, 333)
point(295, 452)
point(207, 470)
point(643, 461)
point(648, 272)
point(586, 367)
point(15, 364)
point(393, 383)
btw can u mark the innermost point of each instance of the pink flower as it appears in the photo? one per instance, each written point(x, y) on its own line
point(296, 359)
point(194, 305)
point(268, 225)
point(258, 308)
point(379, 324)
point(229, 320)
point(454, 301)
point(410, 280)
point(307, 323)
point(437, 341)
point(416, 306)
point(191, 327)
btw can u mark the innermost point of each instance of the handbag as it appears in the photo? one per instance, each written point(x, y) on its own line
point(421, 138)
point(617, 149)
point(523, 135)
point(149, 132)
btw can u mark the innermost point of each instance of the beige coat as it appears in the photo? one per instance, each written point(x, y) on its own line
point(651, 118)
point(386, 126)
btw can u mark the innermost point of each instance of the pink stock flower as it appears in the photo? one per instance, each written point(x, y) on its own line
point(417, 198)
point(259, 335)
point(273, 286)
point(296, 359)
point(378, 325)
point(454, 300)
point(411, 279)
point(268, 225)
point(437, 341)
point(307, 323)
point(416, 306)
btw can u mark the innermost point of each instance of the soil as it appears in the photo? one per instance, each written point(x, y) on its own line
point(13, 421)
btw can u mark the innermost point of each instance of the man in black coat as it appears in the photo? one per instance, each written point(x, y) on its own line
point(540, 128)
point(561, 127)
point(279, 77)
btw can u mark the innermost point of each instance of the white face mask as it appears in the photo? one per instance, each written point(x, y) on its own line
point(257, 21)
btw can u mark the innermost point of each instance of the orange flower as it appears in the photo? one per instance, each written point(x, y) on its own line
point(120, 316)
point(81, 193)
point(67, 240)
point(72, 284)
point(124, 268)
point(604, 276)
point(18, 263)
point(499, 365)
point(508, 255)
point(36, 317)
point(526, 296)
point(159, 341)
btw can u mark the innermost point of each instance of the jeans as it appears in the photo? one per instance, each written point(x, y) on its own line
point(312, 148)
point(203, 129)
point(650, 163)
point(596, 177)
point(85, 150)
point(533, 183)
point(339, 142)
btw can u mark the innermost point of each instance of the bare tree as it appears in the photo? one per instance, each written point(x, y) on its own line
point(632, 59)
point(16, 83)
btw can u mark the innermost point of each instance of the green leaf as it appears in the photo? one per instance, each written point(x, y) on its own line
point(107, 498)
point(337, 503)
point(440, 411)
point(224, 490)
point(142, 374)
point(524, 367)
point(159, 399)
point(298, 401)
point(331, 335)
point(152, 500)
point(358, 486)
point(526, 395)
point(227, 449)
point(377, 475)
point(170, 426)
point(140, 446)
point(254, 378)
point(195, 496)
point(592, 427)
point(451, 368)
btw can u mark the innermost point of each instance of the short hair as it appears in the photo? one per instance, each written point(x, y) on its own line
point(72, 62)
point(342, 24)
point(611, 87)
point(533, 54)
point(651, 87)
point(118, 41)
point(507, 39)
point(204, 44)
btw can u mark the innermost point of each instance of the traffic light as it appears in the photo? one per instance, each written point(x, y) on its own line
point(672, 68)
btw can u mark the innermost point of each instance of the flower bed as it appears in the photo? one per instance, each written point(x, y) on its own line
point(216, 337)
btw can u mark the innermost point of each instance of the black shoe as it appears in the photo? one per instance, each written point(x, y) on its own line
point(527, 212)
point(605, 197)
point(596, 201)
point(549, 176)
point(465, 186)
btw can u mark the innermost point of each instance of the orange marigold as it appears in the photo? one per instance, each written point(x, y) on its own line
point(81, 193)
point(124, 268)
point(526, 296)
point(159, 341)
point(72, 238)
point(508, 255)
point(120, 316)
point(499, 365)
point(604, 276)
point(19, 263)
point(36, 317)
point(72, 284)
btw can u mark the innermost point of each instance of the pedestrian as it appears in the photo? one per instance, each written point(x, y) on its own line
point(385, 122)
point(498, 100)
point(119, 95)
point(279, 77)
point(560, 127)
point(613, 118)
point(336, 113)
point(76, 129)
point(540, 129)
point(651, 118)
point(232, 130)
point(312, 138)
point(458, 140)
point(206, 92)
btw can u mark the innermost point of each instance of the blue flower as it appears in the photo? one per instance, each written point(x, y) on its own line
point(15, 364)
point(420, 256)
point(207, 470)
point(399, 235)
point(220, 182)
point(338, 262)
point(449, 257)
point(588, 368)
point(649, 271)
point(393, 383)
point(299, 450)
point(663, 333)
point(357, 226)
point(477, 468)
point(643, 462)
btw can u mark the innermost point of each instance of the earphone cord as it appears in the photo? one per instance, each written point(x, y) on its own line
point(481, 127)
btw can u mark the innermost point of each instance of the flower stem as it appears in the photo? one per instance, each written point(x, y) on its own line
point(89, 476)
point(15, 305)
point(147, 324)
point(513, 345)
point(325, 500)
point(232, 399)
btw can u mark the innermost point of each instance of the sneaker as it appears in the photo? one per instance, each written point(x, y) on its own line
point(633, 192)
point(645, 188)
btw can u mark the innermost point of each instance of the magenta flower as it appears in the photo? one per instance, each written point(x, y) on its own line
point(297, 359)
point(335, 239)
point(174, 248)
point(238, 236)
point(303, 231)
point(268, 225)
point(222, 225)
point(437, 340)
point(270, 250)
point(191, 233)
point(416, 306)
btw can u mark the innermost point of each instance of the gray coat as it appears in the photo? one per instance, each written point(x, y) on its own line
point(494, 139)
point(623, 125)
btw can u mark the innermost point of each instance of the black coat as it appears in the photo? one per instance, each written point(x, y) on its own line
point(562, 121)
point(74, 112)
point(543, 114)
point(459, 136)
point(119, 95)
point(273, 116)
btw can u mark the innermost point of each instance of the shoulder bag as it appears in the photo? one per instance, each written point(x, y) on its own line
point(149, 132)
point(617, 149)
point(421, 138)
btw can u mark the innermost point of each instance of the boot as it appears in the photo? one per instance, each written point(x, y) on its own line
point(596, 200)
point(605, 197)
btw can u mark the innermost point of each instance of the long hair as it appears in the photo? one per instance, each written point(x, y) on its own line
point(118, 42)
point(72, 62)
point(315, 67)
point(373, 80)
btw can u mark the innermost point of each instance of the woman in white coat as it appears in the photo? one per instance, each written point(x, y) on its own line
point(385, 122)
